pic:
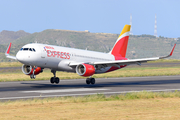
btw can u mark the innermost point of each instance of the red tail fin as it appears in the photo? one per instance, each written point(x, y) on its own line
point(120, 46)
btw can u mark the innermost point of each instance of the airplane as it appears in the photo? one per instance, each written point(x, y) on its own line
point(35, 57)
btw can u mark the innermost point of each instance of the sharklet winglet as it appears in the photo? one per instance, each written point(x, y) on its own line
point(8, 51)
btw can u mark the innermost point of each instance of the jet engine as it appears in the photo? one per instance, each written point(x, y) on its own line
point(85, 70)
point(28, 70)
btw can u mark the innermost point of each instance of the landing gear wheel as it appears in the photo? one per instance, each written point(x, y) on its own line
point(92, 80)
point(56, 80)
point(32, 76)
point(52, 80)
point(88, 81)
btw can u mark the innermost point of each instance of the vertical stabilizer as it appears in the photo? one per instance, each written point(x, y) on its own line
point(120, 46)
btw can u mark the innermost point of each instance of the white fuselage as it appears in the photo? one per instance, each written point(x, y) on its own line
point(59, 58)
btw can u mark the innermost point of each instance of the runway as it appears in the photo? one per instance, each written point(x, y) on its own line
point(78, 87)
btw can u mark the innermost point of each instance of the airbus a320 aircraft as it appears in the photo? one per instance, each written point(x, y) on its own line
point(35, 57)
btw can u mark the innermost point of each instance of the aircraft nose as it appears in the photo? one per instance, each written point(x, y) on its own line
point(19, 57)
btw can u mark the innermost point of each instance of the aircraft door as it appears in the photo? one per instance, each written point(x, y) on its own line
point(43, 53)
point(43, 59)
point(73, 56)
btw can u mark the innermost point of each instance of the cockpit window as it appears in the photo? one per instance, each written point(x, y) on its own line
point(28, 49)
point(25, 49)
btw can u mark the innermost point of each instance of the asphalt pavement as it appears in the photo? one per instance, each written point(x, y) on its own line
point(78, 87)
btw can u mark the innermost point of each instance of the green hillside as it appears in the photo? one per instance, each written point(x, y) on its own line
point(75, 39)
point(139, 46)
point(9, 36)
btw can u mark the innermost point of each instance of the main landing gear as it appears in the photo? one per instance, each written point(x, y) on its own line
point(54, 79)
point(90, 80)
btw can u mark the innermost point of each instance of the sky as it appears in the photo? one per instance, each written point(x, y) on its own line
point(97, 16)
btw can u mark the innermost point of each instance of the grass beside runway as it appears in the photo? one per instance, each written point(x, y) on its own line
point(10, 64)
point(17, 75)
point(142, 105)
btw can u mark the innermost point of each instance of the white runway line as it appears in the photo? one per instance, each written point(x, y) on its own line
point(64, 90)
point(83, 94)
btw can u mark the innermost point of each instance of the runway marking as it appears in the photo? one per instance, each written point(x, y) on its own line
point(83, 94)
point(64, 90)
point(98, 79)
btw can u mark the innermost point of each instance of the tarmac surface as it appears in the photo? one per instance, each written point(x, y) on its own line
point(78, 87)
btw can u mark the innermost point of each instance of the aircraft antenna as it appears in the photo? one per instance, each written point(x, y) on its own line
point(131, 24)
point(155, 27)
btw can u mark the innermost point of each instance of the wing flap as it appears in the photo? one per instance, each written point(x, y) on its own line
point(126, 62)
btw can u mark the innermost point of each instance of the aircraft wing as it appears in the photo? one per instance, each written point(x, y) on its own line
point(117, 63)
point(7, 53)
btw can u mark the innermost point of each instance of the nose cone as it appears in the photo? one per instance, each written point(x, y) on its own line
point(20, 56)
point(26, 57)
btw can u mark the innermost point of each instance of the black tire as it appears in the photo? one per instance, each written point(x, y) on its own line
point(88, 81)
point(56, 80)
point(52, 80)
point(34, 76)
point(92, 81)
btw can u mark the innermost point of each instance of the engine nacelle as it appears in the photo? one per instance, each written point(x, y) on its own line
point(85, 70)
point(28, 70)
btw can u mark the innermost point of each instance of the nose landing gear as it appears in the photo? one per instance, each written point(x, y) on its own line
point(32, 76)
